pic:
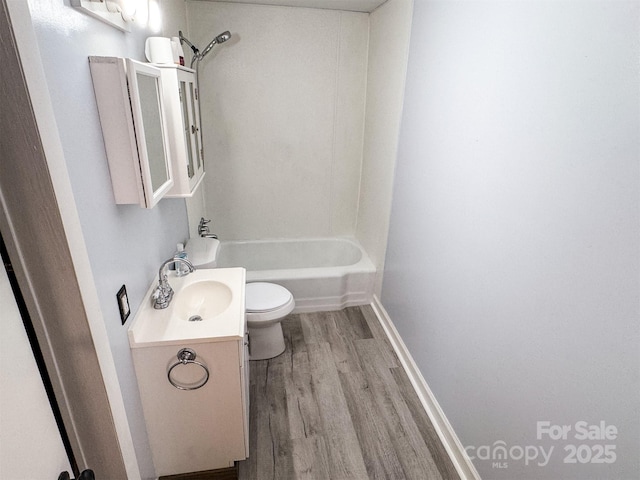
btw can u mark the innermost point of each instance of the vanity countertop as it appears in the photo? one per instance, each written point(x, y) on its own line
point(171, 326)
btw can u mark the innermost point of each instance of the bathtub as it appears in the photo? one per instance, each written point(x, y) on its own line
point(322, 274)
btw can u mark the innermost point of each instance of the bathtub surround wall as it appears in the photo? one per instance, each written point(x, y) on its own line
point(196, 210)
point(174, 17)
point(269, 141)
point(389, 32)
point(512, 271)
point(125, 244)
point(283, 113)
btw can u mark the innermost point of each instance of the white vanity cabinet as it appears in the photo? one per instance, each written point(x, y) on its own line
point(201, 429)
point(180, 94)
point(195, 422)
point(134, 126)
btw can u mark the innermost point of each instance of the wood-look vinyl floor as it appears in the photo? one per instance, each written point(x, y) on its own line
point(338, 405)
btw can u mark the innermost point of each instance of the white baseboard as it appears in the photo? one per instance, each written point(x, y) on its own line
point(326, 304)
point(449, 439)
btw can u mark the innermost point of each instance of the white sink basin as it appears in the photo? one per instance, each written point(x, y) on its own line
point(208, 305)
point(202, 301)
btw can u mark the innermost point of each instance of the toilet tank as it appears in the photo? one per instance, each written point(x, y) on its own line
point(202, 252)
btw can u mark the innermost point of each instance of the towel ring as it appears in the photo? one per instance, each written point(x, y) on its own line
point(186, 356)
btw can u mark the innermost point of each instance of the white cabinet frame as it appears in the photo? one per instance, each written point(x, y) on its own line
point(185, 136)
point(136, 176)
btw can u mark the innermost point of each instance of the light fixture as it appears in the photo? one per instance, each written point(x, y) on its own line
point(126, 8)
point(154, 16)
point(117, 13)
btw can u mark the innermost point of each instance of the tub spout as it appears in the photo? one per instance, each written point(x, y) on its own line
point(203, 229)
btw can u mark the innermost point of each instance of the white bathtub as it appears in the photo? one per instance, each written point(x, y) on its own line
point(322, 274)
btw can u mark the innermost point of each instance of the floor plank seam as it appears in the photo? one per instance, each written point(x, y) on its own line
point(304, 424)
point(273, 448)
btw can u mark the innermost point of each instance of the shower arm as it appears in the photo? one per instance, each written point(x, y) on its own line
point(196, 53)
point(183, 39)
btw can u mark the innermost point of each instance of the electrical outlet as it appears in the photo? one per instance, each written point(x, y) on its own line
point(123, 304)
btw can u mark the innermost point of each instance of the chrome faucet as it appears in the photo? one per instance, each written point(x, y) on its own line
point(163, 293)
point(203, 229)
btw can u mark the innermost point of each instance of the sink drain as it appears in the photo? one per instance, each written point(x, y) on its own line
point(195, 318)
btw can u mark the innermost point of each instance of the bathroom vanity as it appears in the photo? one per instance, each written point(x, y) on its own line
point(192, 365)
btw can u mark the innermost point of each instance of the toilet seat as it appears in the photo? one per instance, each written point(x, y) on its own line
point(267, 303)
point(265, 297)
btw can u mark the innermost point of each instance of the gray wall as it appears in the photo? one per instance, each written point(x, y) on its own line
point(512, 271)
point(125, 243)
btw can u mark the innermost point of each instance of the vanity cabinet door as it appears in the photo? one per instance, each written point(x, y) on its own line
point(245, 374)
point(181, 98)
point(192, 430)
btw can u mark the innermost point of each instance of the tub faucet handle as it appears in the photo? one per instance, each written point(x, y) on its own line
point(203, 227)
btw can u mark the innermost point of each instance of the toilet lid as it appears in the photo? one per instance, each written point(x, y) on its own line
point(262, 296)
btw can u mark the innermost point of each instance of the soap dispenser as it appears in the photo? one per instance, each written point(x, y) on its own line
point(181, 268)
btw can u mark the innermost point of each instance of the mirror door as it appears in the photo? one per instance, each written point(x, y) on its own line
point(147, 107)
point(191, 126)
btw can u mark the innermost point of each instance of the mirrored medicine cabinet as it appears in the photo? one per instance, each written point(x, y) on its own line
point(151, 126)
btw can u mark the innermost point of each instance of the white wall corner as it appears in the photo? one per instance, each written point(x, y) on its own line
point(386, 73)
point(452, 444)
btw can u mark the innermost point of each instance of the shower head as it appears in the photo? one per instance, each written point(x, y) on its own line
point(223, 37)
point(197, 56)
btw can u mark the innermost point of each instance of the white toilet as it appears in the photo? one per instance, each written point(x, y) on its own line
point(266, 304)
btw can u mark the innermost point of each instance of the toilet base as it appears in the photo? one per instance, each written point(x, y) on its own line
point(265, 342)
